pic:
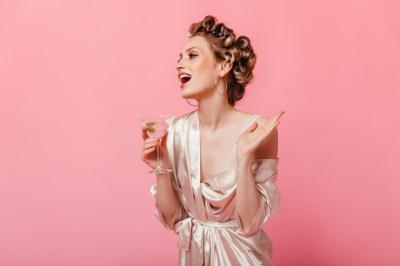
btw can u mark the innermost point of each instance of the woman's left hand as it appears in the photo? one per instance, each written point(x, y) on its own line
point(251, 138)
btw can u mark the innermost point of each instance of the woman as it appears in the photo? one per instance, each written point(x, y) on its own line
point(222, 188)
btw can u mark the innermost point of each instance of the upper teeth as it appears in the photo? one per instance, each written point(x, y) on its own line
point(183, 75)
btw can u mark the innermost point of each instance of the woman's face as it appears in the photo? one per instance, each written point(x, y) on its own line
point(197, 60)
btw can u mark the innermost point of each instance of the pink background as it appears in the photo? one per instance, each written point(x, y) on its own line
point(73, 190)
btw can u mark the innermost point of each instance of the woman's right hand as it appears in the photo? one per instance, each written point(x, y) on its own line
point(149, 152)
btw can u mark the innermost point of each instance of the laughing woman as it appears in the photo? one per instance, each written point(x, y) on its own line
point(222, 187)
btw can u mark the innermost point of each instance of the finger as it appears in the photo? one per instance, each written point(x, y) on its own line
point(266, 122)
point(149, 145)
point(271, 123)
point(145, 135)
point(279, 115)
point(252, 127)
point(267, 130)
point(149, 150)
point(275, 121)
point(275, 124)
point(164, 139)
point(150, 140)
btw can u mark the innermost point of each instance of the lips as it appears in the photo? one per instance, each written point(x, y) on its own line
point(183, 84)
point(184, 78)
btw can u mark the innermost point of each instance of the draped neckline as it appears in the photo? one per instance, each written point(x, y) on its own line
point(210, 177)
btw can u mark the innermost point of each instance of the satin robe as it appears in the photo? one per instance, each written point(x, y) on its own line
point(208, 228)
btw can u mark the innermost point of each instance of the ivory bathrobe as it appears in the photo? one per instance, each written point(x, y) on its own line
point(208, 228)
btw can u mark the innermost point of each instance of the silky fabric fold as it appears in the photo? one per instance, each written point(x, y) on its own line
point(209, 230)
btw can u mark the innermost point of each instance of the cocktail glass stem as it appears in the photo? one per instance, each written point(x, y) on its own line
point(158, 153)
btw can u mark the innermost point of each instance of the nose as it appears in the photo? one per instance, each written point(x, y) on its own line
point(179, 65)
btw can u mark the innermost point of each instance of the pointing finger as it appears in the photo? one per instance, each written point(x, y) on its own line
point(277, 116)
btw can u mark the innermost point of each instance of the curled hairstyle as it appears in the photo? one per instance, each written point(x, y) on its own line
point(226, 47)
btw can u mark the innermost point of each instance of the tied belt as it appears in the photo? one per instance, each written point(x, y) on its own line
point(186, 231)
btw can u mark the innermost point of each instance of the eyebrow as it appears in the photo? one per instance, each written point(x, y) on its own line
point(180, 54)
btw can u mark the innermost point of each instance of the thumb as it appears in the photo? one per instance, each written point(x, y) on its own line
point(253, 126)
point(164, 139)
point(145, 135)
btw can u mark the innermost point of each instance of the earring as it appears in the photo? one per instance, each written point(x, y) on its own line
point(226, 87)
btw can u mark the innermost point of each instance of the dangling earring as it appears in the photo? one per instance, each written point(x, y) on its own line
point(226, 87)
point(191, 104)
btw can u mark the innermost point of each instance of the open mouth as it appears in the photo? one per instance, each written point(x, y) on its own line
point(184, 78)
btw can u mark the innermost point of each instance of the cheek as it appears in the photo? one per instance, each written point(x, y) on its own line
point(202, 65)
point(204, 72)
point(205, 65)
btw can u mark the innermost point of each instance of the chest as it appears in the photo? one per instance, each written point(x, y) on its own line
point(217, 154)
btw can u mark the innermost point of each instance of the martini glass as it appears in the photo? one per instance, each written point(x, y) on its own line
point(156, 126)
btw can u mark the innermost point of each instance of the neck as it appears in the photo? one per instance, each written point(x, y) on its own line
point(214, 115)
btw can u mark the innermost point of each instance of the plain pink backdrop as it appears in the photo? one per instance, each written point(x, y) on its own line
point(73, 190)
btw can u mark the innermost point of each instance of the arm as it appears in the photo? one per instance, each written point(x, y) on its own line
point(167, 202)
point(168, 207)
point(248, 198)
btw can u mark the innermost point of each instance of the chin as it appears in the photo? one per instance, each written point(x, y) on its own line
point(187, 92)
point(193, 92)
point(188, 95)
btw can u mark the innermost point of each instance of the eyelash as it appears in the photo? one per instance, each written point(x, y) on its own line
point(189, 56)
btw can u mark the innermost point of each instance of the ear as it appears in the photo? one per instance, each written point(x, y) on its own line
point(224, 68)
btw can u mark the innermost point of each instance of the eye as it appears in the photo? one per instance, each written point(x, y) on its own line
point(190, 56)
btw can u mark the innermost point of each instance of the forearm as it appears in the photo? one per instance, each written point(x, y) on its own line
point(166, 199)
point(247, 195)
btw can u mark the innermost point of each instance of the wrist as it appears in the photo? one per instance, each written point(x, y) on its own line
point(244, 169)
point(163, 175)
point(245, 157)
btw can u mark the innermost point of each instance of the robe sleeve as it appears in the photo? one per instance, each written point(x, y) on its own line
point(265, 174)
point(180, 212)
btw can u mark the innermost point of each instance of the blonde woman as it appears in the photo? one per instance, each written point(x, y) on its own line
point(224, 161)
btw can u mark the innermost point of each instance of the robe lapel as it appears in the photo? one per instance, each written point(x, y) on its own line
point(193, 152)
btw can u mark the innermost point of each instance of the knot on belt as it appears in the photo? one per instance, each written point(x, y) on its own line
point(185, 231)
